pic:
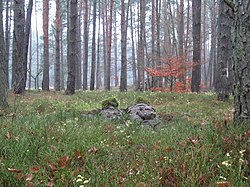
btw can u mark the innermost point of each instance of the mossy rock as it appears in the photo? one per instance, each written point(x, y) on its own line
point(112, 101)
point(141, 99)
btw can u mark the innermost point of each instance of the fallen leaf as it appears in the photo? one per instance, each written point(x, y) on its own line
point(8, 135)
point(50, 184)
point(14, 170)
point(169, 149)
point(31, 184)
point(142, 184)
point(222, 184)
point(63, 161)
point(93, 150)
point(29, 177)
point(247, 133)
point(34, 169)
point(52, 167)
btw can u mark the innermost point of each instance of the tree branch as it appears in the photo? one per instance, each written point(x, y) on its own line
point(230, 3)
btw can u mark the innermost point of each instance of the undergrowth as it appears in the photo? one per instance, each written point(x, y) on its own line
point(47, 141)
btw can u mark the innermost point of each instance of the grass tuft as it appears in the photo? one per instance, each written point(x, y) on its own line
point(46, 140)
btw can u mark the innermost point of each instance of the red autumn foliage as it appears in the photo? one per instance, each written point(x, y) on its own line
point(174, 69)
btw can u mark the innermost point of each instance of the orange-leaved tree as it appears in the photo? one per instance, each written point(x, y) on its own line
point(174, 70)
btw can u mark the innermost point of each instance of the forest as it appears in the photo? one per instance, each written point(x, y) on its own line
point(125, 93)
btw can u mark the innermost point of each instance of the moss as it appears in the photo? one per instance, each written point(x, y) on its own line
point(141, 99)
point(112, 101)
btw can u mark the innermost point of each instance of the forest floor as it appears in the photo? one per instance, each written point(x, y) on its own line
point(47, 141)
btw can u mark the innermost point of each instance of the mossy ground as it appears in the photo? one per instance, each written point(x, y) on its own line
point(45, 140)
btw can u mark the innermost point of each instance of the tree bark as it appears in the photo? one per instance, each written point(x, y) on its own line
point(18, 70)
point(45, 81)
point(86, 41)
point(7, 39)
point(241, 60)
point(72, 45)
point(196, 71)
point(124, 21)
point(224, 54)
point(79, 49)
point(98, 67)
point(93, 57)
point(3, 86)
point(109, 42)
point(57, 41)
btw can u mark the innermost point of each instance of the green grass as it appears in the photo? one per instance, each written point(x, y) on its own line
point(46, 140)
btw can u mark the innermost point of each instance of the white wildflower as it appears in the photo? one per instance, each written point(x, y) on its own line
point(226, 163)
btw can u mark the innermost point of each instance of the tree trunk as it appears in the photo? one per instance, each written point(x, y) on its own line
point(37, 53)
point(158, 42)
point(27, 38)
point(86, 46)
point(123, 81)
point(98, 68)
point(3, 86)
point(93, 57)
point(133, 46)
point(212, 55)
point(104, 40)
point(241, 58)
point(79, 49)
point(153, 48)
point(45, 82)
point(30, 61)
point(72, 46)
point(196, 72)
point(181, 37)
point(57, 41)
point(18, 70)
point(109, 39)
point(115, 47)
point(141, 45)
point(224, 54)
point(7, 40)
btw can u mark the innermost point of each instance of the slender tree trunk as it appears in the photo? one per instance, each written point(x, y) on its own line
point(196, 72)
point(187, 29)
point(133, 46)
point(79, 49)
point(45, 82)
point(181, 38)
point(30, 61)
point(37, 53)
point(72, 47)
point(141, 78)
point(153, 48)
point(175, 48)
point(7, 40)
point(86, 40)
point(98, 76)
point(115, 47)
point(123, 81)
point(109, 39)
point(3, 86)
point(57, 41)
point(27, 38)
point(212, 55)
point(62, 86)
point(204, 43)
point(158, 33)
point(93, 58)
